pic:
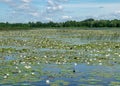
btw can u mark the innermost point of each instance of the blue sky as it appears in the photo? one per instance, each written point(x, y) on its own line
point(58, 10)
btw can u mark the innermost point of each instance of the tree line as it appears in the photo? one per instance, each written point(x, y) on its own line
point(85, 23)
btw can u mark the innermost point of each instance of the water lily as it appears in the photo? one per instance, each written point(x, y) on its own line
point(75, 64)
point(5, 76)
point(22, 62)
point(107, 55)
point(88, 62)
point(27, 67)
point(90, 59)
point(19, 71)
point(95, 59)
point(100, 63)
point(47, 81)
point(33, 73)
point(16, 67)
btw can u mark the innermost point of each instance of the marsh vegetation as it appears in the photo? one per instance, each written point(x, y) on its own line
point(58, 57)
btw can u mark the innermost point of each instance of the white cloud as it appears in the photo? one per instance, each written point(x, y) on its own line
point(66, 17)
point(48, 19)
point(117, 12)
point(54, 10)
point(110, 6)
point(26, 1)
point(24, 9)
point(54, 5)
point(81, 11)
point(22, 6)
point(35, 14)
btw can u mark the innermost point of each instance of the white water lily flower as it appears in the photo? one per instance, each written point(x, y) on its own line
point(109, 50)
point(47, 81)
point(113, 58)
point(29, 63)
point(98, 51)
point(46, 62)
point(24, 56)
point(7, 74)
point(22, 62)
point(90, 59)
point(21, 56)
point(116, 53)
point(16, 67)
point(95, 59)
point(19, 71)
point(100, 63)
point(27, 67)
point(107, 55)
point(45, 56)
point(5, 77)
point(33, 73)
point(75, 64)
point(88, 63)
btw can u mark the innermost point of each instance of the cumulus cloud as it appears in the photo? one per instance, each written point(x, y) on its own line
point(117, 12)
point(21, 6)
point(26, 1)
point(54, 5)
point(49, 19)
point(66, 17)
point(109, 16)
point(24, 9)
point(35, 14)
point(54, 9)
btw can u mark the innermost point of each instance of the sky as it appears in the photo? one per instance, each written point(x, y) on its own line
point(57, 10)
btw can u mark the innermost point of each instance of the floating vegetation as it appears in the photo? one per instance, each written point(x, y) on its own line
point(60, 57)
point(114, 83)
point(60, 83)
